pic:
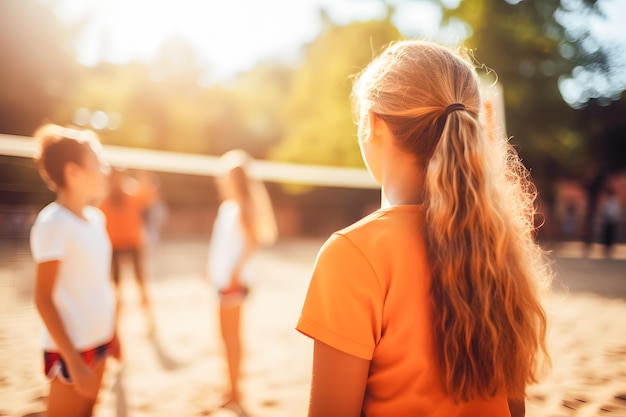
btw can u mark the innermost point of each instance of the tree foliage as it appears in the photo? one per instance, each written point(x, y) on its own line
point(532, 45)
point(319, 128)
point(38, 65)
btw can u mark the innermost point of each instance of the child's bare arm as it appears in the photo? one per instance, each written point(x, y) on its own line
point(85, 382)
point(338, 383)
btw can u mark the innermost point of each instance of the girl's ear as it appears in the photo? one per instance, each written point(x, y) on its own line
point(71, 171)
point(375, 125)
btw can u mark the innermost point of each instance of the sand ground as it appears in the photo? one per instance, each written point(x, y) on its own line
point(178, 370)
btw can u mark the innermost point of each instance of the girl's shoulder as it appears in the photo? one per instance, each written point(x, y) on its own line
point(387, 229)
point(55, 215)
point(94, 214)
point(228, 207)
point(393, 219)
point(229, 204)
point(51, 220)
point(51, 213)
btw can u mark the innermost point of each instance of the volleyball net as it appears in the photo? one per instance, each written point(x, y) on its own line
point(206, 165)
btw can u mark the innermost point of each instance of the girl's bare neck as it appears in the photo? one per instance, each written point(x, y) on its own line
point(72, 202)
point(402, 185)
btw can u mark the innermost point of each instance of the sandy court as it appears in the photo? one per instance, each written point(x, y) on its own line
point(178, 370)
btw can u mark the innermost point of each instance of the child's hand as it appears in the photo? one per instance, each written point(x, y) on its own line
point(85, 380)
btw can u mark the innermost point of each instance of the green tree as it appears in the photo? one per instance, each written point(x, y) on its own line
point(260, 94)
point(512, 40)
point(542, 50)
point(539, 48)
point(319, 128)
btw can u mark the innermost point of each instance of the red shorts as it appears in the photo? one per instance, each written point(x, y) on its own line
point(54, 365)
point(233, 297)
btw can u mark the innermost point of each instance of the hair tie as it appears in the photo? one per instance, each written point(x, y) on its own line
point(441, 121)
point(451, 108)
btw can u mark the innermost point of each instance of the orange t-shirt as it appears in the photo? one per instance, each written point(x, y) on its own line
point(369, 297)
point(124, 219)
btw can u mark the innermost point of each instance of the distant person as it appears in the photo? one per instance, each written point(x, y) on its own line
point(154, 217)
point(123, 208)
point(569, 222)
point(594, 181)
point(610, 216)
point(244, 221)
point(428, 306)
point(73, 291)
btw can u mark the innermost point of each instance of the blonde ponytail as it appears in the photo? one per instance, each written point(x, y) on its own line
point(489, 325)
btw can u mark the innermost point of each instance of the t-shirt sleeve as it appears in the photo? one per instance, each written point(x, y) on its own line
point(343, 305)
point(47, 241)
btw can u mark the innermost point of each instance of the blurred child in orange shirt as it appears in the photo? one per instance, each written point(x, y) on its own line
point(123, 208)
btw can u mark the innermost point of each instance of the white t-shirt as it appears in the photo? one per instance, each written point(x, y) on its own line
point(228, 241)
point(83, 292)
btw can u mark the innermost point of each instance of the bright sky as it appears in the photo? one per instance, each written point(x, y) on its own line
point(609, 30)
point(230, 35)
point(233, 35)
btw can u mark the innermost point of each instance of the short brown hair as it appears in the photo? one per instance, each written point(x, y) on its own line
point(57, 147)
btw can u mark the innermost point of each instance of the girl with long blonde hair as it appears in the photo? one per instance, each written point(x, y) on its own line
point(244, 222)
point(429, 306)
